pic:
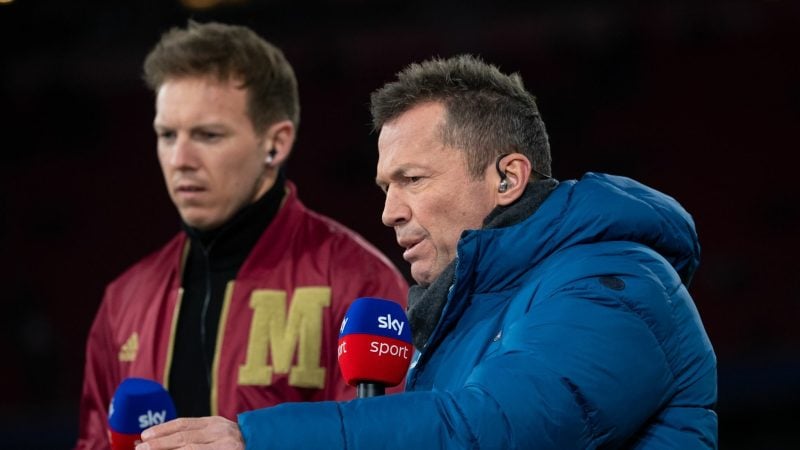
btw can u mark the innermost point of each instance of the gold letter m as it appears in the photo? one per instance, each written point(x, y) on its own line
point(271, 329)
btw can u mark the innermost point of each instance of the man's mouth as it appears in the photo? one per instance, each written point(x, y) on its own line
point(189, 188)
point(410, 246)
point(189, 193)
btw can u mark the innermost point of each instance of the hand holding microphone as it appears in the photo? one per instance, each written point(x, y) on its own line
point(374, 346)
point(142, 411)
point(138, 404)
point(374, 352)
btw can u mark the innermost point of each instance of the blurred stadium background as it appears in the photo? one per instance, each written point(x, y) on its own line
point(700, 99)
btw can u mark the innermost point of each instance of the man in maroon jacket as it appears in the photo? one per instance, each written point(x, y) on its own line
point(240, 310)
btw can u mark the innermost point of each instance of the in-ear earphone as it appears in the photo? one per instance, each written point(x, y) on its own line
point(503, 186)
point(271, 155)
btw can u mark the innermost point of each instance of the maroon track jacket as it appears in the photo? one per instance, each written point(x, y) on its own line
point(278, 327)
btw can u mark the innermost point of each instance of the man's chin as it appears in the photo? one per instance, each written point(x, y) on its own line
point(423, 277)
point(200, 222)
point(421, 280)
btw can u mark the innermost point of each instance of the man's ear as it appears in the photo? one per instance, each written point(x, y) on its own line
point(517, 170)
point(278, 142)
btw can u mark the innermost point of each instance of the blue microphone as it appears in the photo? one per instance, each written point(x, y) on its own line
point(374, 346)
point(138, 404)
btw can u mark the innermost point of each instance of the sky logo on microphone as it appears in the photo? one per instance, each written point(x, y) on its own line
point(152, 418)
point(377, 317)
point(138, 404)
point(387, 322)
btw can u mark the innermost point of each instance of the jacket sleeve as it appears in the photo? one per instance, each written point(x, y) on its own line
point(99, 381)
point(582, 367)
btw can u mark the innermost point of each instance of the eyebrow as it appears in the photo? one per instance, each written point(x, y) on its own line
point(202, 126)
point(399, 172)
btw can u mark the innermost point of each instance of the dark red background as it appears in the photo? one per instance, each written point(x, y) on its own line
point(698, 99)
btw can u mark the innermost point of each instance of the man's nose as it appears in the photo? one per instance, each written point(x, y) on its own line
point(396, 210)
point(182, 153)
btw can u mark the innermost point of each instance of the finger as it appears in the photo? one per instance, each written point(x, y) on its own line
point(214, 438)
point(176, 440)
point(175, 426)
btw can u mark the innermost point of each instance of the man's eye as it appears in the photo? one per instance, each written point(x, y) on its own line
point(207, 135)
point(166, 135)
point(413, 179)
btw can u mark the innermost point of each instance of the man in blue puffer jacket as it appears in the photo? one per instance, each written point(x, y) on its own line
point(547, 315)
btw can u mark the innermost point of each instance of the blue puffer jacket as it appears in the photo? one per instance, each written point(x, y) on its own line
point(572, 329)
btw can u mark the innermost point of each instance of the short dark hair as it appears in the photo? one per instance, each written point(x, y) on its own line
point(488, 113)
point(229, 52)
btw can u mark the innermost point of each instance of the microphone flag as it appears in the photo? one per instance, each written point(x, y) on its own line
point(374, 343)
point(137, 404)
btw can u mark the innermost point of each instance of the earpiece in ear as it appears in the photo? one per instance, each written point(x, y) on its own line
point(503, 186)
point(271, 156)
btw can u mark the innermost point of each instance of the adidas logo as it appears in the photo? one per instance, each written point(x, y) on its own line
point(130, 348)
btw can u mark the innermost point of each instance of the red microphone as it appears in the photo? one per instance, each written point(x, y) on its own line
point(374, 346)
